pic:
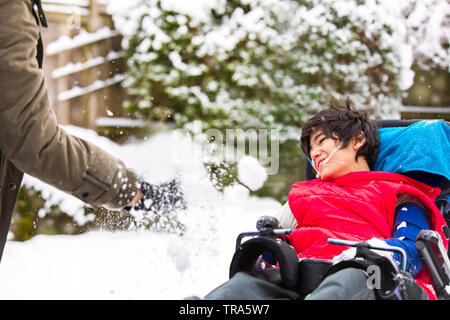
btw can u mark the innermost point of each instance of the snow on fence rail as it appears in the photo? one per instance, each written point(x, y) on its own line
point(120, 122)
point(60, 8)
point(72, 68)
point(82, 3)
point(96, 85)
point(65, 9)
point(84, 38)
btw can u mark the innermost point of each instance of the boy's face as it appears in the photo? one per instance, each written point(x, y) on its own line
point(331, 160)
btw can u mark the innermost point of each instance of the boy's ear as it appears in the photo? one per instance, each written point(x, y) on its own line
point(358, 141)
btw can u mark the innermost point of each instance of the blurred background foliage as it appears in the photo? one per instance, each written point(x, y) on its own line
point(254, 64)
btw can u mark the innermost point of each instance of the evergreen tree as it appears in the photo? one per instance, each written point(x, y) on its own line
point(261, 63)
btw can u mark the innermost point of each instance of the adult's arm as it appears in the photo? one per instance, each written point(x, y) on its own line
point(29, 134)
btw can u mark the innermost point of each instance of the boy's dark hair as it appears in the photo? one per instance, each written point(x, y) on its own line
point(343, 122)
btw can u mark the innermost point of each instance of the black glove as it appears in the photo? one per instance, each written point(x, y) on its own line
point(162, 198)
point(265, 222)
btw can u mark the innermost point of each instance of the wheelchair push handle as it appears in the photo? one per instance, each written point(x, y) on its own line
point(265, 232)
point(267, 226)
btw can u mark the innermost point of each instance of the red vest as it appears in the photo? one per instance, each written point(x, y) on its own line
point(357, 206)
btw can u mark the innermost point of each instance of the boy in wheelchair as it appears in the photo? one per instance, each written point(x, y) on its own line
point(346, 201)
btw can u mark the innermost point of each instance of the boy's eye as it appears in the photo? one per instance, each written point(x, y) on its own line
point(321, 140)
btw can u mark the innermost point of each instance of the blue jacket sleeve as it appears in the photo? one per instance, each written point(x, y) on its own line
point(410, 218)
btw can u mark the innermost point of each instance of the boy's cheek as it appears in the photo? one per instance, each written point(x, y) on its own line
point(326, 174)
point(331, 171)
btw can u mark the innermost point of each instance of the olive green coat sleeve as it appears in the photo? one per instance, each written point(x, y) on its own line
point(30, 137)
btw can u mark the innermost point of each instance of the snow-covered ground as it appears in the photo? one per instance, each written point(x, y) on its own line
point(139, 264)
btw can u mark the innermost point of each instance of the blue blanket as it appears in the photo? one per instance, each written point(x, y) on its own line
point(420, 150)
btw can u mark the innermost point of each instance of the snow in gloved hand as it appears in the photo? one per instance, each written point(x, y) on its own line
point(162, 198)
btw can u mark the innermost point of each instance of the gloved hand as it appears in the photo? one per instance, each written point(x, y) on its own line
point(162, 198)
point(267, 222)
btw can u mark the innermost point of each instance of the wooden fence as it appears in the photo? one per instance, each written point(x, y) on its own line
point(425, 112)
point(83, 62)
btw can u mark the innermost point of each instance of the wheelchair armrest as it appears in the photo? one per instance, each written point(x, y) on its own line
point(265, 232)
point(435, 258)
